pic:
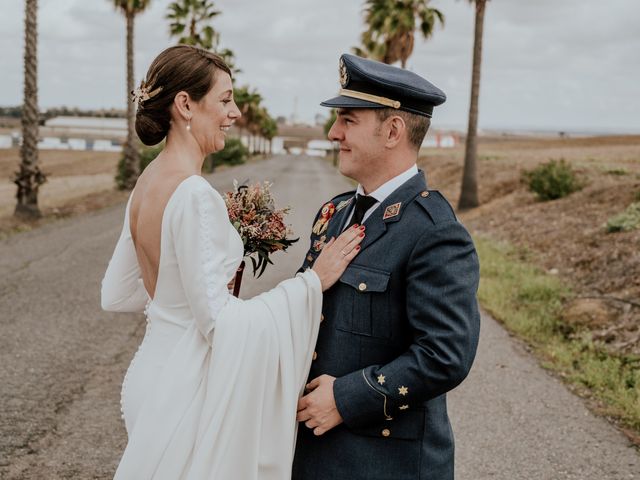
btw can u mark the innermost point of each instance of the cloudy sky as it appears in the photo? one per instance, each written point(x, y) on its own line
point(548, 64)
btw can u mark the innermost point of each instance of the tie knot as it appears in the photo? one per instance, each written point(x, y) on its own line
point(364, 202)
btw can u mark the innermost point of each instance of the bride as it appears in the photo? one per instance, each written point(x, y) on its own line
point(212, 391)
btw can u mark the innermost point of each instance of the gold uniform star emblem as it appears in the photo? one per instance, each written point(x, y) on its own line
point(381, 379)
point(403, 390)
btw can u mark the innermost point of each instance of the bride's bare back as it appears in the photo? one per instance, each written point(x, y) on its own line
point(153, 191)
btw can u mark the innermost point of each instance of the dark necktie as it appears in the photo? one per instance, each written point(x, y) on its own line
point(363, 203)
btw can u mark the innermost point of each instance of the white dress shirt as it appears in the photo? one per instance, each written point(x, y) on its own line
point(382, 192)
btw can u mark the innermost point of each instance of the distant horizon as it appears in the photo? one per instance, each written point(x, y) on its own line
point(482, 129)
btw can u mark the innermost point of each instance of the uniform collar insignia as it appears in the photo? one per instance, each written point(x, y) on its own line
point(392, 211)
point(343, 204)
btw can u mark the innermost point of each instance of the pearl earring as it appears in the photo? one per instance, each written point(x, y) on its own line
point(189, 124)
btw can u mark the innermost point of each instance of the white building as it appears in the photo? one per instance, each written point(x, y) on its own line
point(86, 126)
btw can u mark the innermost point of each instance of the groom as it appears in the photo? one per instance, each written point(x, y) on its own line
point(400, 328)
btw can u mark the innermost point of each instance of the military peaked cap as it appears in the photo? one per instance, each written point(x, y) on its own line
point(369, 84)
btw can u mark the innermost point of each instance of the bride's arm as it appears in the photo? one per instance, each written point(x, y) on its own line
point(201, 236)
point(122, 287)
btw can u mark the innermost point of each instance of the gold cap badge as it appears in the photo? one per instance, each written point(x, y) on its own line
point(344, 75)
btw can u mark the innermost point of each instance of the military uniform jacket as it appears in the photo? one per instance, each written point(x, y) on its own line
point(399, 330)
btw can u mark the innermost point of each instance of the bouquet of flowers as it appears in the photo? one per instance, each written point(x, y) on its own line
point(261, 226)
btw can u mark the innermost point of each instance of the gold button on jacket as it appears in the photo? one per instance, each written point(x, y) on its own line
point(386, 432)
point(362, 287)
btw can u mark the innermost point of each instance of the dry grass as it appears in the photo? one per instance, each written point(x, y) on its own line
point(77, 182)
point(566, 236)
point(567, 285)
point(60, 163)
point(529, 303)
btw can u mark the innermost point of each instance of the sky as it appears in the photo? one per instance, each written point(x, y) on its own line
point(548, 64)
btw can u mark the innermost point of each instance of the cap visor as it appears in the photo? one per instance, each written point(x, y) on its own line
point(348, 102)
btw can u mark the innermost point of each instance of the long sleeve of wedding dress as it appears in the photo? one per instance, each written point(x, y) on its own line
point(202, 248)
point(122, 287)
point(214, 388)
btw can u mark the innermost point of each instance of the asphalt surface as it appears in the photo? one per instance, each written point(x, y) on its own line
point(62, 359)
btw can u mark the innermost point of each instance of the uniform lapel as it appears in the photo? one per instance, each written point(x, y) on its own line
point(376, 223)
point(334, 229)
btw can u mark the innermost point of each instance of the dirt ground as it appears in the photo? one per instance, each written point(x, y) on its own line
point(566, 237)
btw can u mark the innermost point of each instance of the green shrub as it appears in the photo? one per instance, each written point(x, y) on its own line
point(617, 172)
point(148, 154)
point(145, 156)
point(234, 153)
point(625, 221)
point(552, 180)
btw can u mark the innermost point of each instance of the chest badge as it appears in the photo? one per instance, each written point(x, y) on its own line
point(325, 215)
point(318, 245)
point(392, 211)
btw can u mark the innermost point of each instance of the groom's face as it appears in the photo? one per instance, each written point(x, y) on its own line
point(357, 131)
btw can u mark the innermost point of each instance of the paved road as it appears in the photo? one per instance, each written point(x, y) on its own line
point(62, 360)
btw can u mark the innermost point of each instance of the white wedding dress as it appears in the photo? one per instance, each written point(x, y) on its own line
point(213, 389)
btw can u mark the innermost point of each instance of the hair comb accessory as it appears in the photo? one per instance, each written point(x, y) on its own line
point(142, 93)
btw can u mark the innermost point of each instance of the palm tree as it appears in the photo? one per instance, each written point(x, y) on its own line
point(230, 59)
point(193, 14)
point(187, 16)
point(130, 168)
point(248, 102)
point(469, 190)
point(269, 130)
point(327, 126)
point(390, 36)
point(29, 177)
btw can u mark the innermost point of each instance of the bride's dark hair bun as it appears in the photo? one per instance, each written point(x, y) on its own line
point(182, 68)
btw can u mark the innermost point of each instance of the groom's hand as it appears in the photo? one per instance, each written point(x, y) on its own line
point(318, 408)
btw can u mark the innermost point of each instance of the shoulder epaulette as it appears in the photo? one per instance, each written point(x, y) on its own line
point(436, 206)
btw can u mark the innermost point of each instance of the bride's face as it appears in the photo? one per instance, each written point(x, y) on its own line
point(214, 114)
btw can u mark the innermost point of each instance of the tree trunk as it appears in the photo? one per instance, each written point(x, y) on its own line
point(469, 191)
point(131, 160)
point(29, 177)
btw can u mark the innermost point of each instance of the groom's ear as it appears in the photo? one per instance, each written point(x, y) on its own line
point(396, 128)
point(182, 102)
